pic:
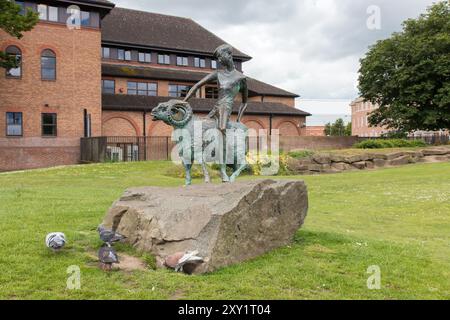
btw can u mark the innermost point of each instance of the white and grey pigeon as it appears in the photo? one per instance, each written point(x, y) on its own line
point(107, 256)
point(189, 258)
point(109, 236)
point(55, 241)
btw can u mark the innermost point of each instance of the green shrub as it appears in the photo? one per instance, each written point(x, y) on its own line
point(257, 162)
point(298, 154)
point(389, 143)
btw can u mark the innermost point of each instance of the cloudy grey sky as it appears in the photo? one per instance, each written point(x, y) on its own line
point(310, 47)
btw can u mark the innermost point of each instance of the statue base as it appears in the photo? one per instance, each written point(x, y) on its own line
point(225, 223)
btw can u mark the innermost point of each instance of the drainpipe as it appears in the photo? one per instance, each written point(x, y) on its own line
point(270, 124)
point(144, 120)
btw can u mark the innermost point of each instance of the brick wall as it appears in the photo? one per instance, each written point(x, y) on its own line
point(315, 131)
point(77, 87)
point(314, 143)
point(37, 152)
point(126, 123)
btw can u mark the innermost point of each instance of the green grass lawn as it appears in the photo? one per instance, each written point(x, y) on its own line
point(397, 218)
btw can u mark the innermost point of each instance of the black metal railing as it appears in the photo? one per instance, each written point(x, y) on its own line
point(125, 149)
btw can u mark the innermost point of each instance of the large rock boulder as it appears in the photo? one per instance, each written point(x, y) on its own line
point(436, 152)
point(400, 161)
point(226, 223)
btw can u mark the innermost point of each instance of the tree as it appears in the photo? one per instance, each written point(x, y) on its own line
point(14, 23)
point(348, 129)
point(338, 128)
point(408, 75)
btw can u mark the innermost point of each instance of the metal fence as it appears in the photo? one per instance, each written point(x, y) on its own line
point(432, 139)
point(125, 149)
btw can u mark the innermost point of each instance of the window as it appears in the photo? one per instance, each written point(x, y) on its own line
point(145, 57)
point(142, 88)
point(128, 55)
point(163, 59)
point(108, 86)
point(106, 53)
point(85, 18)
point(14, 124)
point(14, 52)
point(211, 93)
point(121, 54)
point(53, 14)
point(182, 61)
point(49, 124)
point(178, 91)
point(48, 65)
point(213, 64)
point(47, 13)
point(42, 10)
point(199, 63)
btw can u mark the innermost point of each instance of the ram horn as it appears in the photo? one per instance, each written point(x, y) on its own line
point(179, 113)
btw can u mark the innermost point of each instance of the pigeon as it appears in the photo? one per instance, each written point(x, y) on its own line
point(109, 236)
point(189, 258)
point(55, 241)
point(107, 256)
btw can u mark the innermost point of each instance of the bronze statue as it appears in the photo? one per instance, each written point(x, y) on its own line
point(230, 82)
point(179, 114)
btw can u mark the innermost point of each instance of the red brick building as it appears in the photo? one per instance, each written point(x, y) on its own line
point(315, 131)
point(360, 119)
point(104, 78)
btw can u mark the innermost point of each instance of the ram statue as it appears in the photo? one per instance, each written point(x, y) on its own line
point(180, 116)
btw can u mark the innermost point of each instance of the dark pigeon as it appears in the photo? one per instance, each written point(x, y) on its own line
point(107, 256)
point(109, 236)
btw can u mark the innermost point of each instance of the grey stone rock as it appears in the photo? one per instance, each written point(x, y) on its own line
point(359, 165)
point(226, 223)
point(357, 158)
point(395, 155)
point(379, 162)
point(436, 152)
point(341, 166)
point(399, 161)
point(337, 158)
point(322, 158)
point(325, 167)
point(415, 154)
point(441, 158)
point(381, 156)
point(370, 165)
point(315, 167)
point(352, 159)
point(298, 165)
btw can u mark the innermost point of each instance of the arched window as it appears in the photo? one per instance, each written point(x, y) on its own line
point(48, 65)
point(15, 72)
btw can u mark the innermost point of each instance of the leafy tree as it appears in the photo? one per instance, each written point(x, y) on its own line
point(338, 128)
point(348, 129)
point(408, 75)
point(14, 23)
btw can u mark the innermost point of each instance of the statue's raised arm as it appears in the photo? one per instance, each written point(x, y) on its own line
point(208, 79)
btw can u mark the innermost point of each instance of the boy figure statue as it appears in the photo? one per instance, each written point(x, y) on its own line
point(230, 82)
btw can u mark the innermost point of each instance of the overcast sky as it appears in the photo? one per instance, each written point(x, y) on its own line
point(310, 47)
